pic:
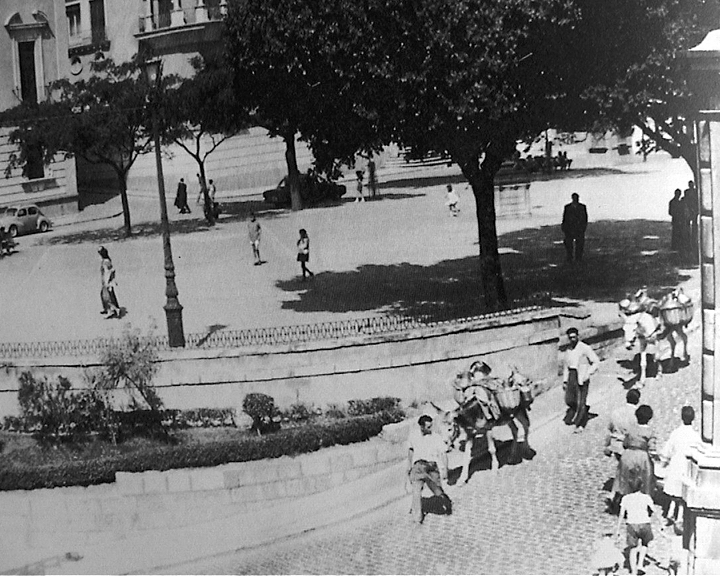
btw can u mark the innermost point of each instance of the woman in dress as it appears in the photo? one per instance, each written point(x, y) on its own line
point(640, 447)
point(303, 255)
point(111, 308)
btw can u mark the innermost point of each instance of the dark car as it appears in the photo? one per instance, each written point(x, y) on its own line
point(312, 190)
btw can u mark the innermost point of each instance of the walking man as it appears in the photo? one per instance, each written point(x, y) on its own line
point(452, 200)
point(111, 308)
point(574, 224)
point(579, 363)
point(359, 185)
point(678, 216)
point(254, 235)
point(181, 197)
point(427, 465)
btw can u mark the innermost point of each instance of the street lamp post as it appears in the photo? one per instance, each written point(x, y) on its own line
point(173, 308)
point(701, 490)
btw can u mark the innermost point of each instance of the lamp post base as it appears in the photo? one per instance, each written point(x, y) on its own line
point(173, 315)
point(701, 524)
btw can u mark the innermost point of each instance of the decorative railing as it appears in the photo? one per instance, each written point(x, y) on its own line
point(334, 330)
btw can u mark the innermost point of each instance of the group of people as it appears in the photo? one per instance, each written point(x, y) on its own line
point(303, 246)
point(372, 182)
point(632, 443)
point(683, 211)
point(209, 190)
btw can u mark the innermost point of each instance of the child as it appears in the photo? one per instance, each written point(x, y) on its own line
point(606, 558)
point(452, 200)
point(637, 507)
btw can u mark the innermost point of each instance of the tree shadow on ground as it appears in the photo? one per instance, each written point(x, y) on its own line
point(231, 212)
point(621, 256)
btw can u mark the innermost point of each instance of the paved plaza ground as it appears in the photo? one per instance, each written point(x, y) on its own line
point(538, 517)
point(401, 253)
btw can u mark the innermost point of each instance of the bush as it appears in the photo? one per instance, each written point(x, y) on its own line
point(373, 406)
point(299, 413)
point(335, 411)
point(55, 411)
point(289, 442)
point(261, 408)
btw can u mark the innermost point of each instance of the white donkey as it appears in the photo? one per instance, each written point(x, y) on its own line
point(647, 322)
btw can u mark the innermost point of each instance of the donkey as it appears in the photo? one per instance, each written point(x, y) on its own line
point(468, 422)
point(647, 326)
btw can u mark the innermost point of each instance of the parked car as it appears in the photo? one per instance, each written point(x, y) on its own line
point(312, 190)
point(24, 219)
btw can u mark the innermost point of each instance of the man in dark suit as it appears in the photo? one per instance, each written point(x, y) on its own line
point(574, 224)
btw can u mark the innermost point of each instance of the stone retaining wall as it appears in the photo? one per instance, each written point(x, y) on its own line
point(41, 523)
point(412, 365)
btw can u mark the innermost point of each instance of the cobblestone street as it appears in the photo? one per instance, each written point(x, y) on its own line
point(539, 517)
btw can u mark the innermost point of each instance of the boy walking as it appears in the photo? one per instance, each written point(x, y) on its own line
point(254, 235)
point(637, 508)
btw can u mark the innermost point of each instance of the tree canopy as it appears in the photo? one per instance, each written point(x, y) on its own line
point(202, 111)
point(286, 57)
point(103, 119)
point(640, 73)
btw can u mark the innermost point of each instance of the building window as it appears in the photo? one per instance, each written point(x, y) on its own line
point(97, 21)
point(74, 21)
point(28, 81)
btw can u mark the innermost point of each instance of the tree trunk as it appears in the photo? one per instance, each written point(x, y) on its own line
point(293, 173)
point(482, 181)
point(207, 204)
point(122, 180)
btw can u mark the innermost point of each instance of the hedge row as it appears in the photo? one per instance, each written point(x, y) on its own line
point(291, 442)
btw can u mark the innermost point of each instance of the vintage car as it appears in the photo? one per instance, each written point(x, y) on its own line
point(24, 219)
point(312, 190)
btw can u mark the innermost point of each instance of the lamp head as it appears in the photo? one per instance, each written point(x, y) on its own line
point(153, 70)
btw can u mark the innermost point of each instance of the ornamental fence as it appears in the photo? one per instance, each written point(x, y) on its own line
point(275, 335)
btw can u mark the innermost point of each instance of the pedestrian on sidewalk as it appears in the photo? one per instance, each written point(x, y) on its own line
point(111, 308)
point(303, 253)
point(372, 178)
point(452, 200)
point(678, 218)
point(636, 462)
point(181, 197)
point(254, 231)
point(202, 189)
point(427, 466)
point(574, 224)
point(636, 507)
point(621, 420)
point(579, 363)
point(690, 196)
point(674, 454)
point(359, 186)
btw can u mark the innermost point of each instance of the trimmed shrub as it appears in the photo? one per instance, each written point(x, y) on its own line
point(335, 411)
point(261, 408)
point(303, 439)
point(373, 405)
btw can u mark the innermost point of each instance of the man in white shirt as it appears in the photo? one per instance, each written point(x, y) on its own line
point(579, 363)
point(427, 465)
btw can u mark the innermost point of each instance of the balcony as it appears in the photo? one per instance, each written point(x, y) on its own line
point(88, 42)
point(169, 31)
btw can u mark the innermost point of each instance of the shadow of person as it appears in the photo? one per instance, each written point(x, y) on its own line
point(436, 505)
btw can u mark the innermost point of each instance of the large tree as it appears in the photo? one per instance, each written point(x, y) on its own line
point(201, 112)
point(286, 56)
point(640, 73)
point(469, 78)
point(103, 120)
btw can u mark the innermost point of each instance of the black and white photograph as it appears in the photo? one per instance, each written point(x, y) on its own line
point(359, 287)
